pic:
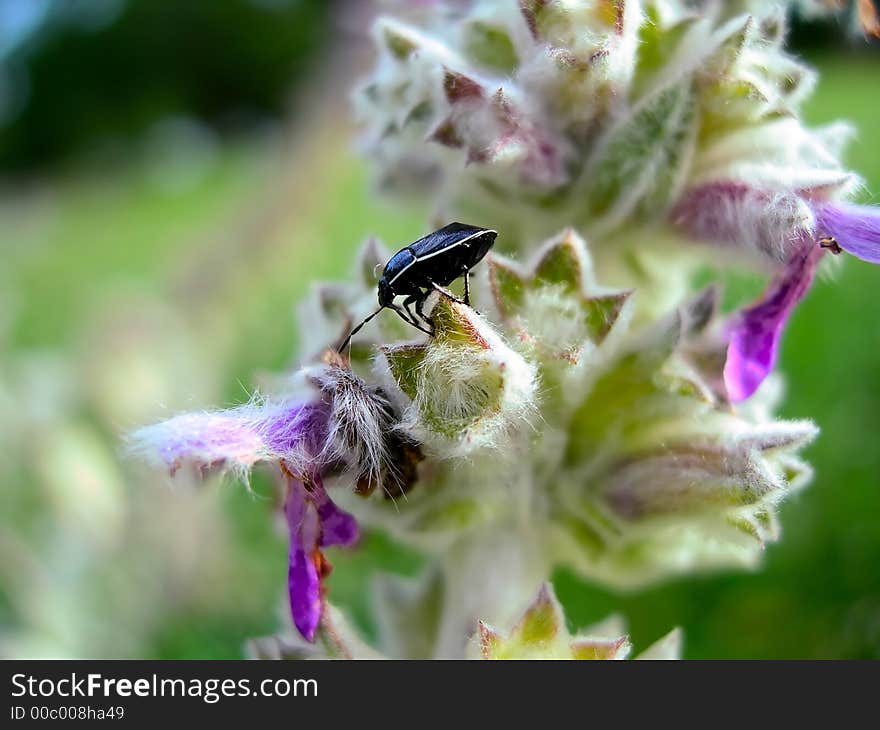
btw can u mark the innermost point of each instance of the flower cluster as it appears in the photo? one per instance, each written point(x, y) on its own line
point(595, 412)
point(605, 446)
point(549, 431)
point(617, 116)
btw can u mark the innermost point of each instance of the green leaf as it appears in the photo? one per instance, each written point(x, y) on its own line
point(452, 323)
point(399, 45)
point(563, 264)
point(733, 38)
point(404, 362)
point(640, 166)
point(508, 287)
point(591, 649)
point(602, 313)
point(543, 621)
point(657, 45)
point(490, 46)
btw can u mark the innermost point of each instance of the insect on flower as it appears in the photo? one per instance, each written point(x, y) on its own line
point(429, 264)
point(830, 243)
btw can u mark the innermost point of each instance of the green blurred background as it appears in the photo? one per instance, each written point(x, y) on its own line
point(173, 178)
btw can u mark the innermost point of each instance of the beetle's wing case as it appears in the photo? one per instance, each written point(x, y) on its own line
point(397, 264)
point(481, 244)
point(442, 239)
point(440, 257)
point(461, 249)
point(458, 257)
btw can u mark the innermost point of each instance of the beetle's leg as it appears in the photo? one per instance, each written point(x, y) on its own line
point(409, 321)
point(411, 299)
point(406, 316)
point(412, 322)
point(418, 300)
point(420, 310)
point(467, 288)
point(443, 290)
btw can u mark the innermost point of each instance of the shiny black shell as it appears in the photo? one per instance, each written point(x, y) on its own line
point(440, 257)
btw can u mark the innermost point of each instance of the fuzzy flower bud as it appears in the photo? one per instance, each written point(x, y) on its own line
point(541, 633)
point(467, 389)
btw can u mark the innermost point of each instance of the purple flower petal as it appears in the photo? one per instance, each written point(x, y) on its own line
point(313, 521)
point(205, 439)
point(733, 213)
point(303, 577)
point(337, 527)
point(294, 432)
point(856, 228)
point(236, 438)
point(755, 335)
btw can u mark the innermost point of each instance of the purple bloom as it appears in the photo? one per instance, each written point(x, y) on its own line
point(775, 222)
point(855, 228)
point(313, 522)
point(736, 214)
point(296, 436)
point(235, 439)
point(755, 335)
point(786, 227)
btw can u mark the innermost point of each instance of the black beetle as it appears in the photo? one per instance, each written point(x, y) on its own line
point(429, 264)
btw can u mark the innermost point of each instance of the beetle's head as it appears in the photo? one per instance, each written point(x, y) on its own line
point(386, 295)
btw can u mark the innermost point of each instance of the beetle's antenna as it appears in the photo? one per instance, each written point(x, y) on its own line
point(357, 329)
